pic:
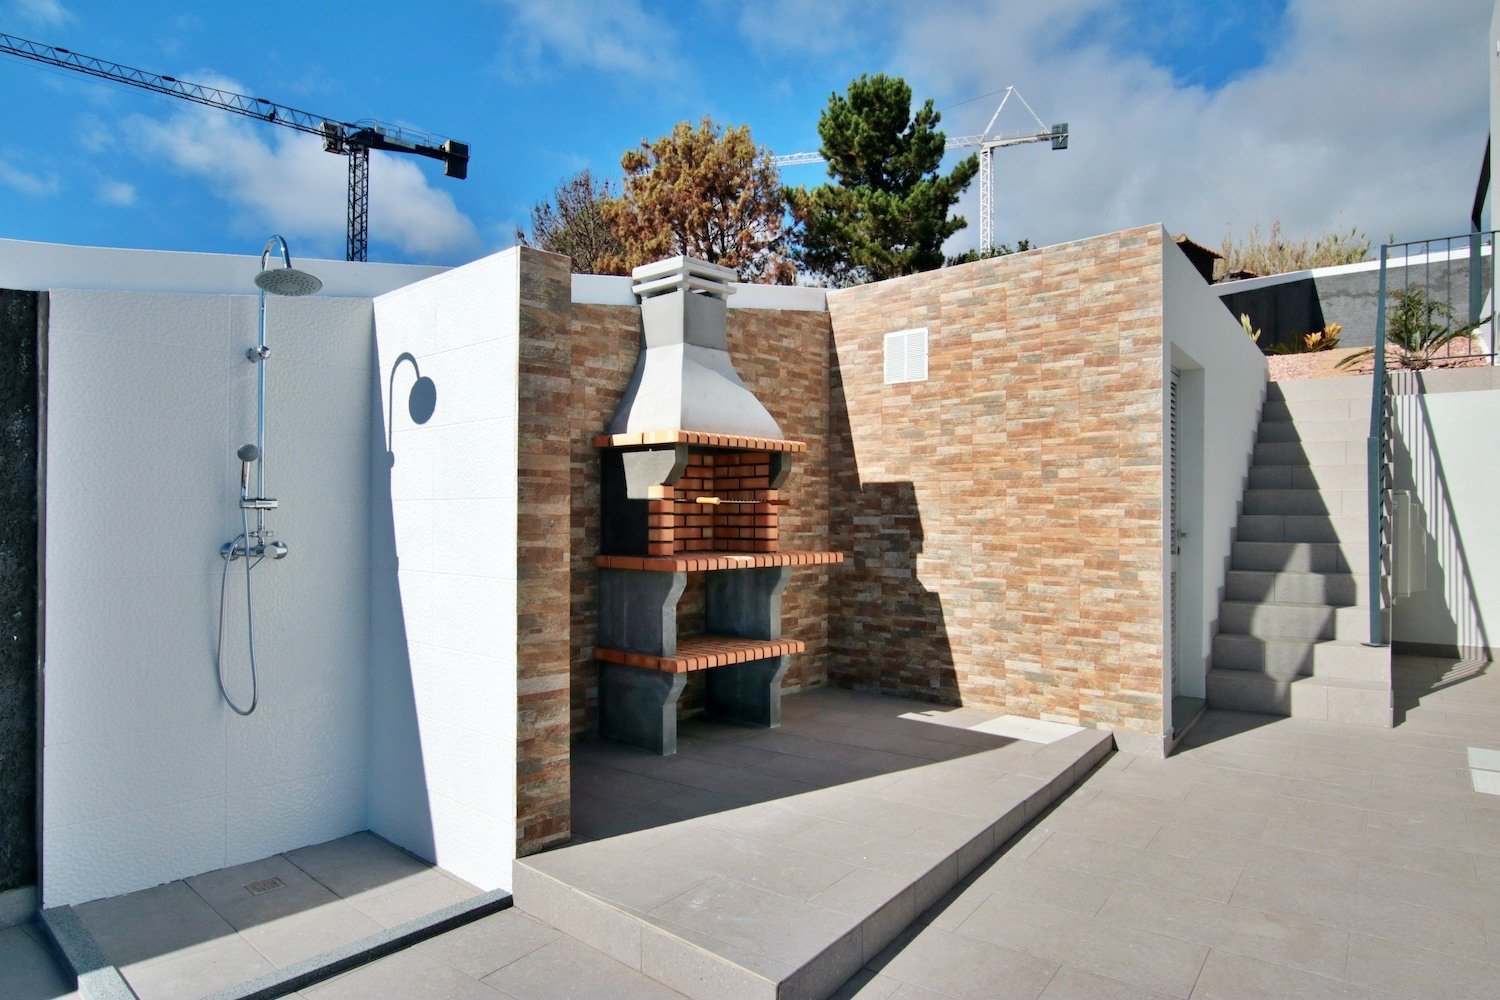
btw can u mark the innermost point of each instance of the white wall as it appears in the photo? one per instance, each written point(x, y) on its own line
point(1445, 450)
point(1224, 384)
point(147, 775)
point(40, 266)
point(443, 573)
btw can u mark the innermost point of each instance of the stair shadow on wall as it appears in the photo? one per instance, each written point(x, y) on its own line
point(1447, 604)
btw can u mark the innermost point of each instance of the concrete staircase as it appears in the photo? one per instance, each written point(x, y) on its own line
point(1295, 619)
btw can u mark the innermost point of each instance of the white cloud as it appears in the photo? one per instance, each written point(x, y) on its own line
point(33, 185)
point(117, 193)
point(43, 13)
point(1367, 113)
point(284, 181)
point(618, 37)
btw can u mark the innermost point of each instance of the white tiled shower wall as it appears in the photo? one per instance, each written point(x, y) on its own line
point(442, 776)
point(147, 776)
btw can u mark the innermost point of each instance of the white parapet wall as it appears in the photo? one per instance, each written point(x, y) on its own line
point(1221, 388)
point(1447, 456)
point(443, 570)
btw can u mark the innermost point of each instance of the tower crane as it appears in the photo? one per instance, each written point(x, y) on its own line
point(988, 141)
point(351, 139)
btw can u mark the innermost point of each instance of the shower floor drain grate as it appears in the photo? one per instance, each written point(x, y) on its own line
point(265, 885)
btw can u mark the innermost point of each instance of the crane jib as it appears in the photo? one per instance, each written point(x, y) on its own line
point(352, 139)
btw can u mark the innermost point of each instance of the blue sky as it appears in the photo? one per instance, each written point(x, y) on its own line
point(1207, 116)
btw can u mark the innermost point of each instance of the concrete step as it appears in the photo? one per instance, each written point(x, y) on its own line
point(1309, 477)
point(1317, 408)
point(1299, 557)
point(724, 904)
point(1335, 589)
point(1326, 503)
point(1295, 390)
point(1301, 622)
point(1346, 429)
point(1347, 528)
point(1310, 452)
point(1350, 702)
point(1287, 659)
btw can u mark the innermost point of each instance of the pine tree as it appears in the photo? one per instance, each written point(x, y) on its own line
point(706, 192)
point(886, 214)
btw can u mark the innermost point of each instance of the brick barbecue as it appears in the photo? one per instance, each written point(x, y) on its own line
point(690, 475)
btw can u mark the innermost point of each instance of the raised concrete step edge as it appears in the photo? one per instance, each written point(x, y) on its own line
point(1334, 408)
point(1288, 659)
point(692, 969)
point(1349, 702)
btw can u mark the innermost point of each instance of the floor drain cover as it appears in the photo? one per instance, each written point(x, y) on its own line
point(265, 885)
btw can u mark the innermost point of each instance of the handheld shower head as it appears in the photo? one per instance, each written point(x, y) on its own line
point(248, 453)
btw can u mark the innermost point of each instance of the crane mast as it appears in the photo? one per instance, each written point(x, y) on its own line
point(351, 139)
point(988, 142)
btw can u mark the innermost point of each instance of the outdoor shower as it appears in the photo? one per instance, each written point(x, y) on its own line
point(253, 546)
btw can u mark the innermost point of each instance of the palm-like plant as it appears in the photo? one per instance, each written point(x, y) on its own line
point(1418, 327)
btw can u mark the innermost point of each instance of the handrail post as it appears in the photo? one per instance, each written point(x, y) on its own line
point(1375, 461)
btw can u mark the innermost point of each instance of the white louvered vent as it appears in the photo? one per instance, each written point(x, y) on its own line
point(906, 356)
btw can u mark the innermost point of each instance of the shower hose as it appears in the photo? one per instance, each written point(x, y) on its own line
point(244, 537)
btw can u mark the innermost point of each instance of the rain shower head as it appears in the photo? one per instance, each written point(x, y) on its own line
point(287, 281)
point(284, 280)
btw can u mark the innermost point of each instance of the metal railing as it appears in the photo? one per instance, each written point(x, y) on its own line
point(1436, 309)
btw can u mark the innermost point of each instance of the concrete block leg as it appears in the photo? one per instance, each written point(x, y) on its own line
point(639, 707)
point(747, 693)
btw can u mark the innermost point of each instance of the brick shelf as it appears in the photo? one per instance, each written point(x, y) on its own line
point(642, 439)
point(700, 652)
point(699, 562)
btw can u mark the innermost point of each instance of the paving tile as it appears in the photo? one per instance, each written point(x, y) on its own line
point(630, 878)
point(227, 885)
point(1270, 937)
point(568, 969)
point(964, 968)
point(1223, 814)
point(625, 787)
point(787, 930)
point(867, 985)
point(1133, 828)
point(298, 922)
point(905, 856)
point(401, 976)
point(1227, 976)
point(29, 970)
point(1381, 850)
point(199, 972)
point(476, 949)
point(1129, 954)
point(359, 864)
point(1075, 984)
point(772, 822)
point(429, 895)
point(1417, 973)
point(602, 753)
point(1131, 864)
point(779, 869)
point(598, 819)
point(802, 745)
point(1064, 887)
point(152, 923)
point(1402, 921)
